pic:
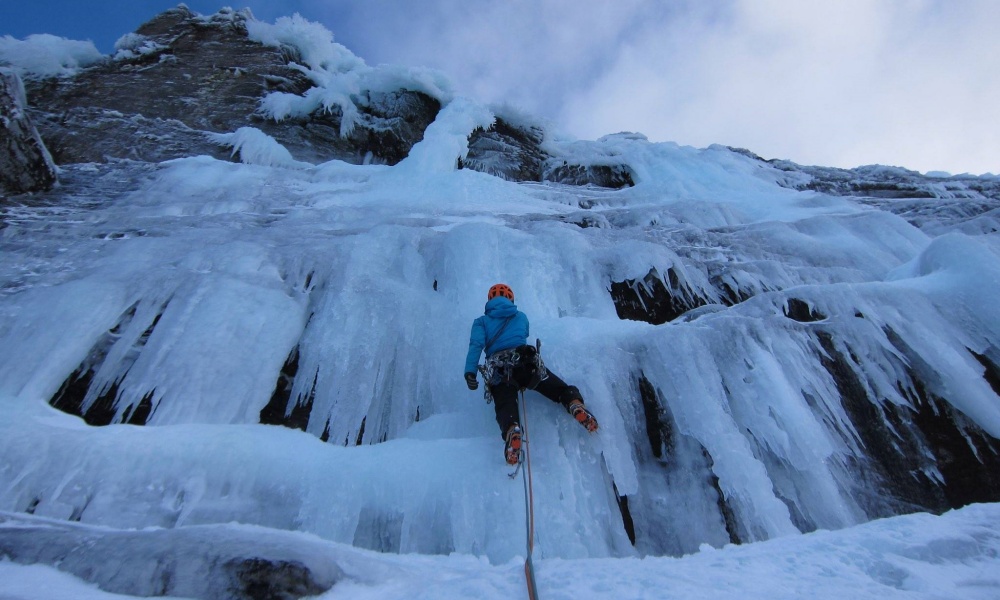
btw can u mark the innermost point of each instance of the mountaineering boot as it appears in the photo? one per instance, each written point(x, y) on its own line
point(512, 445)
point(582, 415)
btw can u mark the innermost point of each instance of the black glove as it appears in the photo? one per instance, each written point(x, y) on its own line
point(470, 380)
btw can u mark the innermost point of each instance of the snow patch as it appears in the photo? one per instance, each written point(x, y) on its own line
point(255, 147)
point(341, 79)
point(134, 45)
point(44, 55)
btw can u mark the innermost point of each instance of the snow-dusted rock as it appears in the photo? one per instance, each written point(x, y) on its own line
point(181, 75)
point(506, 150)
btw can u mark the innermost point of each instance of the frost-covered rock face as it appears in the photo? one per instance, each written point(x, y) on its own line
point(609, 176)
point(519, 153)
point(25, 164)
point(932, 202)
point(181, 75)
point(508, 151)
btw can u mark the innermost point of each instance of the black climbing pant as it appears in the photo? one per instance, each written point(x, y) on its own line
point(505, 395)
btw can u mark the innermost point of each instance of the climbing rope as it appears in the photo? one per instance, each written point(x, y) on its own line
point(529, 511)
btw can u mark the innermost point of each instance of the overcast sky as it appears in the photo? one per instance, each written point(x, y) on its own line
point(914, 83)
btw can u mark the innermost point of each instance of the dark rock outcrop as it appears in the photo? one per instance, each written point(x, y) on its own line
point(508, 151)
point(515, 153)
point(185, 75)
point(280, 410)
point(876, 181)
point(657, 300)
point(924, 456)
point(99, 406)
point(801, 311)
point(879, 181)
point(609, 176)
point(935, 203)
point(25, 164)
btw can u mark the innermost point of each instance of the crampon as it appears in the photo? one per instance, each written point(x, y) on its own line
point(512, 445)
point(583, 416)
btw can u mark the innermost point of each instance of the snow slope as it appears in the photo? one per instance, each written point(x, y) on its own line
point(912, 557)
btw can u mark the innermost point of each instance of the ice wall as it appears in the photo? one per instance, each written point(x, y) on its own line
point(339, 298)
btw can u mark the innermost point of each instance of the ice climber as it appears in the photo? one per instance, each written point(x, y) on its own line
point(512, 365)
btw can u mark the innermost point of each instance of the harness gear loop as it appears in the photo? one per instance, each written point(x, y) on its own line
point(500, 367)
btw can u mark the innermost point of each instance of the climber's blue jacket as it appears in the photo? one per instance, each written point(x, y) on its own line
point(502, 327)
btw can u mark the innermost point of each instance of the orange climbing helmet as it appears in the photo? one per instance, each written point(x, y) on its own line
point(500, 289)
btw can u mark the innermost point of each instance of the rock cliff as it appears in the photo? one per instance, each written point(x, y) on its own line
point(25, 165)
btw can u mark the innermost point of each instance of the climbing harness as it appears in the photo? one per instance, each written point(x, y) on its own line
point(487, 370)
point(499, 367)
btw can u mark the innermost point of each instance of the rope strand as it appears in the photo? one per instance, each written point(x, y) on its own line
point(529, 511)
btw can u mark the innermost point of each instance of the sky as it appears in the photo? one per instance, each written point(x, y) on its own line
point(910, 83)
